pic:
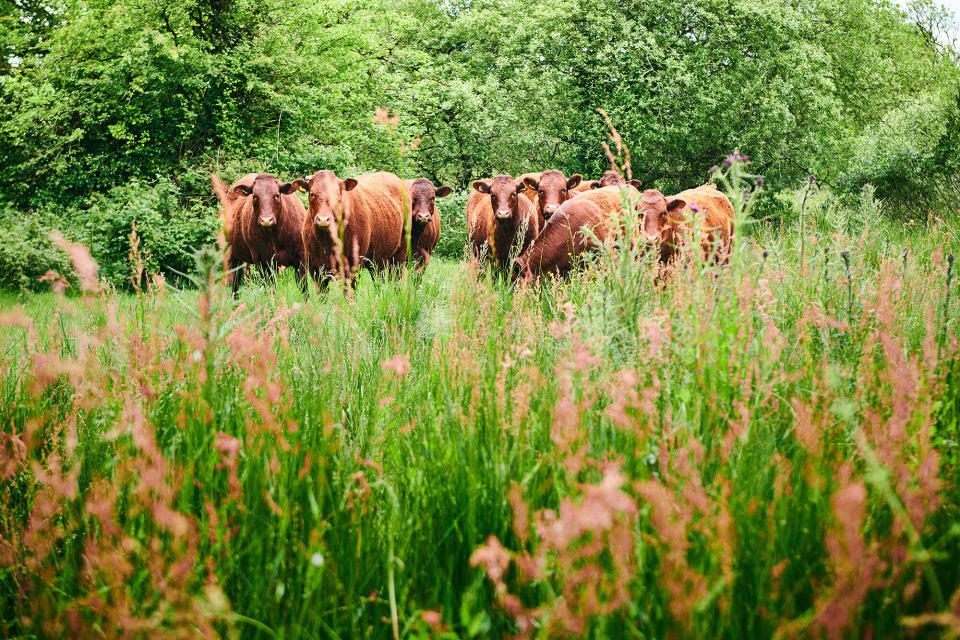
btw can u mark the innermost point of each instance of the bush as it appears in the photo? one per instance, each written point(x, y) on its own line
point(910, 157)
point(453, 225)
point(168, 231)
point(27, 252)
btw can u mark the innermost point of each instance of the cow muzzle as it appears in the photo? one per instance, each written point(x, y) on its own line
point(321, 222)
point(422, 218)
point(549, 210)
point(504, 214)
point(266, 223)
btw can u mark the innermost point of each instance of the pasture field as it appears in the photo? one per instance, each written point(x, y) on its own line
point(763, 449)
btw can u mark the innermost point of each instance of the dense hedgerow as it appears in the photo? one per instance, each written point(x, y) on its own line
point(764, 449)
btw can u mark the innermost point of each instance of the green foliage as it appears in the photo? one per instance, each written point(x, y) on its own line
point(168, 232)
point(453, 225)
point(26, 253)
point(104, 91)
point(910, 156)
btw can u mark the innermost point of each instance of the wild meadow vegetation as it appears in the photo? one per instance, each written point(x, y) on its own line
point(762, 449)
point(767, 448)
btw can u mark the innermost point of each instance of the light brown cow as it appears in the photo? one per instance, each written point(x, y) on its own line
point(668, 221)
point(551, 190)
point(262, 217)
point(565, 236)
point(424, 220)
point(501, 218)
point(351, 222)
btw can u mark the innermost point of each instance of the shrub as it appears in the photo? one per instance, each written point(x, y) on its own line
point(168, 231)
point(453, 225)
point(27, 252)
point(909, 157)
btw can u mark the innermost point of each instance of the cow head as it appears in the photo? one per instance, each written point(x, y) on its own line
point(266, 191)
point(325, 192)
point(504, 191)
point(553, 189)
point(423, 197)
point(611, 178)
point(656, 209)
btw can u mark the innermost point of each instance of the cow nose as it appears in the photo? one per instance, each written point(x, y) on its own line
point(503, 213)
point(322, 221)
point(267, 221)
point(550, 209)
point(423, 217)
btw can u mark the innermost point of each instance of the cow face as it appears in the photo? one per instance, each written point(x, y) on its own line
point(504, 191)
point(325, 193)
point(423, 197)
point(266, 191)
point(656, 210)
point(553, 189)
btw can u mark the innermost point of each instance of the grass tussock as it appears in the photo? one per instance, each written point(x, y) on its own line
point(762, 449)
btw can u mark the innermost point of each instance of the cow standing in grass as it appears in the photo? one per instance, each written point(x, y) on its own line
point(351, 222)
point(263, 218)
point(499, 217)
point(424, 220)
point(580, 225)
point(669, 221)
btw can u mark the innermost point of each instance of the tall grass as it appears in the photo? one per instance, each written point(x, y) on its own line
point(766, 449)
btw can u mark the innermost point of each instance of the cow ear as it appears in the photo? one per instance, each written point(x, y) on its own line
point(595, 184)
point(287, 188)
point(636, 183)
point(675, 204)
point(443, 192)
point(349, 183)
point(242, 189)
point(574, 180)
point(302, 184)
point(531, 182)
point(481, 186)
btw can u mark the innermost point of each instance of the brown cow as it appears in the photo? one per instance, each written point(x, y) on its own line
point(351, 221)
point(564, 238)
point(263, 218)
point(424, 220)
point(500, 217)
point(551, 190)
point(612, 178)
point(668, 220)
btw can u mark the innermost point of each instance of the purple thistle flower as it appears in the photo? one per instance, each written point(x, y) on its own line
point(694, 207)
point(759, 182)
point(812, 178)
point(714, 169)
point(728, 161)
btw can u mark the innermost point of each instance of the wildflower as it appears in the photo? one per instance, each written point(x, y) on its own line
point(434, 619)
point(197, 355)
point(694, 207)
point(81, 260)
point(317, 560)
point(399, 364)
point(714, 169)
point(812, 178)
point(759, 182)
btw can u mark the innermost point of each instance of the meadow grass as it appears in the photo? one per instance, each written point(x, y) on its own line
point(763, 449)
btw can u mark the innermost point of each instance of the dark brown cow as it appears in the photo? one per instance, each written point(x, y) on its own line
point(506, 217)
point(565, 238)
point(668, 221)
point(263, 218)
point(424, 220)
point(351, 221)
point(551, 189)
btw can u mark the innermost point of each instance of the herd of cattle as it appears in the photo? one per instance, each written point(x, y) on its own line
point(530, 225)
